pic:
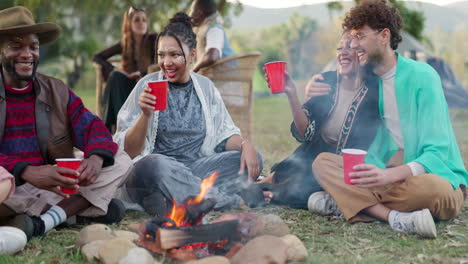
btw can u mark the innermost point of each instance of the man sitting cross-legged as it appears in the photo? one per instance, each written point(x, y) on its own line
point(414, 171)
point(41, 119)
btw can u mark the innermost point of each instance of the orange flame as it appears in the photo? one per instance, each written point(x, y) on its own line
point(205, 186)
point(177, 213)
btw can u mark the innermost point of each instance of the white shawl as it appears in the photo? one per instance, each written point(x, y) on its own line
point(219, 124)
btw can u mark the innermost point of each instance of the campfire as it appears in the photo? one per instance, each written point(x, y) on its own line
point(181, 234)
point(237, 238)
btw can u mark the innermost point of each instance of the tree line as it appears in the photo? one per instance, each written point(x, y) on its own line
point(90, 25)
point(305, 44)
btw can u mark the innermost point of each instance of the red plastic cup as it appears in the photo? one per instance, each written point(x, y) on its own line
point(351, 158)
point(159, 89)
point(73, 164)
point(275, 73)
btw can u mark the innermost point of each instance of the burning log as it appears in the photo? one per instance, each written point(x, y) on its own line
point(196, 211)
point(186, 235)
point(158, 237)
point(167, 238)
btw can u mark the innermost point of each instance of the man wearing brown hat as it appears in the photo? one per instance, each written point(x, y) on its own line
point(41, 120)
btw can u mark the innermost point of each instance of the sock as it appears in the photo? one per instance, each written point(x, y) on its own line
point(392, 217)
point(53, 217)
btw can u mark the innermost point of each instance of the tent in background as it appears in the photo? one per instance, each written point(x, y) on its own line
point(410, 47)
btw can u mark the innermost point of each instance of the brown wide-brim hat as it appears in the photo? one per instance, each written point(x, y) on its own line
point(19, 20)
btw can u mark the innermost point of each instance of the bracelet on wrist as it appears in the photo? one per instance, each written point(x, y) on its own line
point(243, 142)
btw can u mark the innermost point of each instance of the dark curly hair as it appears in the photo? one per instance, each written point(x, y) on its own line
point(180, 28)
point(378, 15)
point(208, 6)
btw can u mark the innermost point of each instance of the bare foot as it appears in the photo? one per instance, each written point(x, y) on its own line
point(267, 179)
point(267, 195)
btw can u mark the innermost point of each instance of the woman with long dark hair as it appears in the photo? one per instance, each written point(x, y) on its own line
point(137, 50)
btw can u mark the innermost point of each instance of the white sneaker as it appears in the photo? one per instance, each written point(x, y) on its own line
point(12, 240)
point(323, 204)
point(418, 222)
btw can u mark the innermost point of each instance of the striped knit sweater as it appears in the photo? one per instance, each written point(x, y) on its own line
point(20, 143)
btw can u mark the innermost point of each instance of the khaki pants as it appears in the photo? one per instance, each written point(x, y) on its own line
point(33, 201)
point(416, 193)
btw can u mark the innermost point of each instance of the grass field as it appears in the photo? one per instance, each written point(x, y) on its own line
point(328, 240)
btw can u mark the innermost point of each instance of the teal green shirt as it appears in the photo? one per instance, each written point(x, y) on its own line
point(428, 136)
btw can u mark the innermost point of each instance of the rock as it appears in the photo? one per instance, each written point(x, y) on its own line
point(262, 250)
point(233, 250)
point(94, 232)
point(134, 227)
point(131, 236)
point(137, 255)
point(296, 250)
point(210, 260)
point(270, 225)
point(182, 254)
point(91, 250)
point(252, 224)
point(112, 251)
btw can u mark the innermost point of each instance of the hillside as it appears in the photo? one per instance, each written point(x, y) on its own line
point(260, 17)
point(446, 17)
point(461, 7)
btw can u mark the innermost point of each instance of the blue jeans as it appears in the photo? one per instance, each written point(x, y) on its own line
point(157, 173)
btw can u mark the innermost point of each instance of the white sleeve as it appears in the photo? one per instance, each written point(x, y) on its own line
point(215, 39)
point(416, 168)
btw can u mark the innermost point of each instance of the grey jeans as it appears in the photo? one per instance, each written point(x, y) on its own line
point(157, 173)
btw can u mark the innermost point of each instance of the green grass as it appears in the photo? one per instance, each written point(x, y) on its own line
point(328, 240)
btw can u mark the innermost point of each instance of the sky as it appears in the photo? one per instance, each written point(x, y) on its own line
point(290, 3)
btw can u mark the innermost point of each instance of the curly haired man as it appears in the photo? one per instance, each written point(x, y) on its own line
point(413, 172)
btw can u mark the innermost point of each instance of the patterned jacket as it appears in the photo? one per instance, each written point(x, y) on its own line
point(361, 122)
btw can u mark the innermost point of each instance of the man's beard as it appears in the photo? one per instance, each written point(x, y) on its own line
point(374, 59)
point(9, 66)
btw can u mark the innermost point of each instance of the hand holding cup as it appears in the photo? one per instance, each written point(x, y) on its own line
point(351, 158)
point(48, 177)
point(275, 76)
point(147, 101)
point(289, 86)
point(72, 164)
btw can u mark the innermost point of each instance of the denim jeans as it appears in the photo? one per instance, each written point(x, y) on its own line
point(175, 180)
